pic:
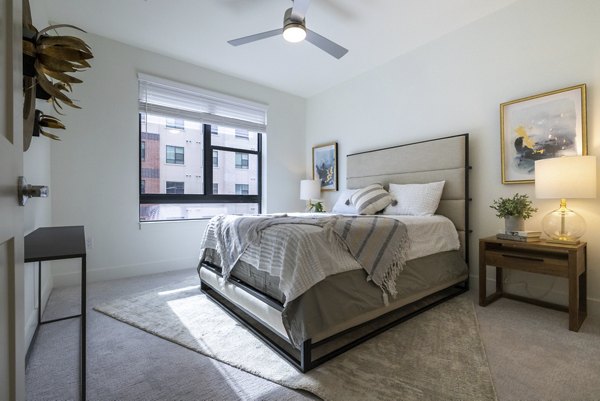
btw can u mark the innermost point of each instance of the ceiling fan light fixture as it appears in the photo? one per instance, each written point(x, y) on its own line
point(294, 32)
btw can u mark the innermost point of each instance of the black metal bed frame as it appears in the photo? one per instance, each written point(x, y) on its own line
point(302, 359)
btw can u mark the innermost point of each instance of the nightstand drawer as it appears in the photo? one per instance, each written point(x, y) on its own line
point(539, 263)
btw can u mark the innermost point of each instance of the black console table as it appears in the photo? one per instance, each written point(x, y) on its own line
point(54, 243)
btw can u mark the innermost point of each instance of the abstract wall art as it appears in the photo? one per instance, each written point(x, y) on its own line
point(551, 124)
point(324, 162)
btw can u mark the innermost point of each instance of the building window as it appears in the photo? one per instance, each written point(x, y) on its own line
point(242, 133)
point(175, 124)
point(175, 187)
point(196, 176)
point(241, 160)
point(143, 150)
point(241, 189)
point(174, 154)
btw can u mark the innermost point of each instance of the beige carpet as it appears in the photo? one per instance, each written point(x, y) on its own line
point(435, 356)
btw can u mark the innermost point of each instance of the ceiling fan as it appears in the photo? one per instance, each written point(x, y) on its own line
point(294, 30)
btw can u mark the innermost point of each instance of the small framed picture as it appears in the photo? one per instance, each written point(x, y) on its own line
point(325, 165)
point(543, 126)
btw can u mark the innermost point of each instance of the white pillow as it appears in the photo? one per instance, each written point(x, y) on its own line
point(415, 199)
point(370, 199)
point(340, 205)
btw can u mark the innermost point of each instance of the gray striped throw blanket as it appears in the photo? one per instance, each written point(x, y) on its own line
point(378, 243)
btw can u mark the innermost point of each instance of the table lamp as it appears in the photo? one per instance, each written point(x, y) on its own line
point(562, 178)
point(310, 190)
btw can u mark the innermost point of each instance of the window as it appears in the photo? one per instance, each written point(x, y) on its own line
point(143, 150)
point(242, 133)
point(241, 189)
point(175, 124)
point(241, 160)
point(175, 187)
point(214, 168)
point(174, 154)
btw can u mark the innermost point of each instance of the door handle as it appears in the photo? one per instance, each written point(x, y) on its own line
point(26, 191)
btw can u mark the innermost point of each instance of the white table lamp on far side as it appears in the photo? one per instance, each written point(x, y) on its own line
point(310, 190)
point(562, 178)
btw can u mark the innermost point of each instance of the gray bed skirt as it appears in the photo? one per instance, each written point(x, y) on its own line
point(348, 299)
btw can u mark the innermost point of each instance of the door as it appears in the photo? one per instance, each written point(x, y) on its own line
point(12, 352)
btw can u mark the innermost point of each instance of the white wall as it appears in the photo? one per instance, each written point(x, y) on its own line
point(455, 85)
point(95, 166)
point(38, 213)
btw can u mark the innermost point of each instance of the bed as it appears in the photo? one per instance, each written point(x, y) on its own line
point(343, 309)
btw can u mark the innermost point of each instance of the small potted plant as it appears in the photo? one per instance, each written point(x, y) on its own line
point(514, 210)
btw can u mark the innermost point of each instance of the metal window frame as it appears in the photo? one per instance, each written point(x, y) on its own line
point(207, 197)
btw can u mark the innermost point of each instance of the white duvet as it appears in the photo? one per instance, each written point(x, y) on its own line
point(427, 234)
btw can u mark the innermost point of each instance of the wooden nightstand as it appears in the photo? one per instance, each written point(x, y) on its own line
point(568, 261)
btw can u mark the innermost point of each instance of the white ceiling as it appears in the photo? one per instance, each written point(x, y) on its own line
point(196, 31)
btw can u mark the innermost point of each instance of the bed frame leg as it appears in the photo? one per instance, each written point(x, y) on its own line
point(305, 356)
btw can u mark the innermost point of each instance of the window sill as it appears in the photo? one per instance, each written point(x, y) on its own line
point(150, 223)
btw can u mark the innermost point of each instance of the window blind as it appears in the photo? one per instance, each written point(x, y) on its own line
point(177, 100)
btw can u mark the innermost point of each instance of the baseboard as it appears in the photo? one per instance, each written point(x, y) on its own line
point(120, 272)
point(31, 321)
point(30, 327)
point(554, 295)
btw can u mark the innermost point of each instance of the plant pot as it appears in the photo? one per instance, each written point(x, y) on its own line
point(514, 223)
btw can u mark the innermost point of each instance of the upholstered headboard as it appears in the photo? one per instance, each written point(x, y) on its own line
point(421, 162)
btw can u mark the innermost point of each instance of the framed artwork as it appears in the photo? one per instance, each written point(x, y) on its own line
point(544, 126)
point(325, 166)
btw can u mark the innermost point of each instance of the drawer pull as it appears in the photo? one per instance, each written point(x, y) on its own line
point(523, 257)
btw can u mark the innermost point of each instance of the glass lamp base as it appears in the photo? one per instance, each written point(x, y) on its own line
point(563, 241)
point(563, 226)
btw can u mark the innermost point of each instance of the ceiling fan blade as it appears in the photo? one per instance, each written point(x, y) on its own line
point(325, 44)
point(255, 37)
point(299, 9)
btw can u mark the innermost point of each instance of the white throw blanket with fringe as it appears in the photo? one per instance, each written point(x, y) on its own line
point(379, 245)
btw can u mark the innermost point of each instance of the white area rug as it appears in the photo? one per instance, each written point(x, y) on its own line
point(437, 355)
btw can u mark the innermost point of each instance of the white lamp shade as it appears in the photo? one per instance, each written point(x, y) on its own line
point(566, 177)
point(310, 189)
